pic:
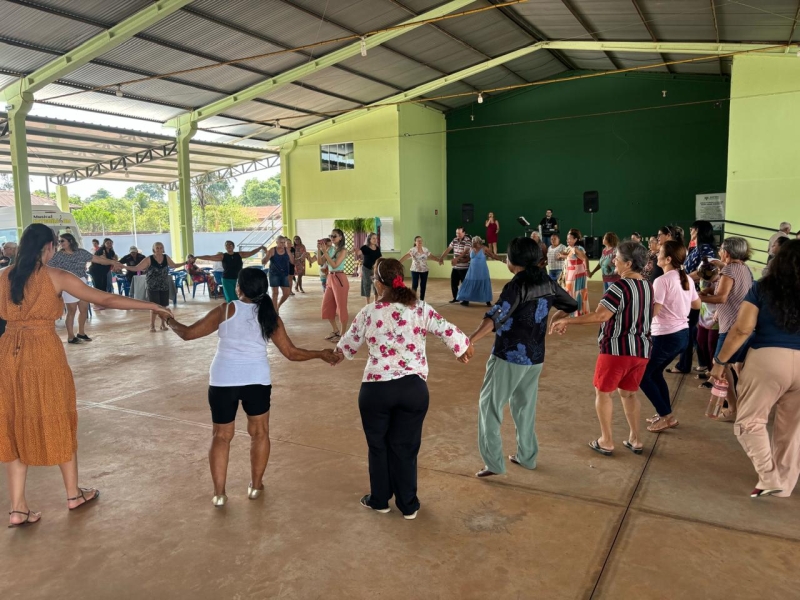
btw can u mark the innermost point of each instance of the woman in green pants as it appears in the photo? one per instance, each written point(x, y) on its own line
point(232, 263)
point(519, 322)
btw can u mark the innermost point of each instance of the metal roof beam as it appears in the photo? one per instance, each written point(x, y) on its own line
point(794, 23)
point(582, 21)
point(234, 171)
point(653, 35)
point(668, 47)
point(94, 47)
point(292, 75)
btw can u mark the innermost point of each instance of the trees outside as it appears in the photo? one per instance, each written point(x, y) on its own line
point(6, 183)
point(265, 192)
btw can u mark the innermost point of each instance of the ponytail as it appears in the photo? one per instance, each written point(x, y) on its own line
point(29, 258)
point(676, 252)
point(254, 285)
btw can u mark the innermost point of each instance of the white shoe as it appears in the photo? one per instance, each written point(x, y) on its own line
point(411, 517)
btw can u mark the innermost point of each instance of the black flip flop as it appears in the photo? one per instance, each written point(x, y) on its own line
point(632, 448)
point(595, 445)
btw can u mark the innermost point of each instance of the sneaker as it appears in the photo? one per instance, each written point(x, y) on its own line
point(74, 340)
point(365, 504)
point(411, 517)
point(84, 337)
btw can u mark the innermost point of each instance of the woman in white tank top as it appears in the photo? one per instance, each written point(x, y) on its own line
point(240, 371)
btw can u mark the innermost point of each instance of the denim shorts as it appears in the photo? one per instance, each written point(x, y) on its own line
point(277, 279)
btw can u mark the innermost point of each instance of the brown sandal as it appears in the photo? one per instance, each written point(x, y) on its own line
point(82, 494)
point(662, 424)
point(27, 520)
point(726, 415)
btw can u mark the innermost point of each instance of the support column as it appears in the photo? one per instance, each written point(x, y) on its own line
point(62, 198)
point(20, 106)
point(186, 132)
point(175, 232)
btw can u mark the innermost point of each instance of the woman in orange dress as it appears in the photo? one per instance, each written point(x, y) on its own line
point(38, 415)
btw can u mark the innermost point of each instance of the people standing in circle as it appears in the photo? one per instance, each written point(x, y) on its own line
point(393, 399)
point(624, 313)
point(652, 270)
point(555, 257)
point(492, 230)
point(606, 263)
point(73, 259)
point(770, 379)
point(39, 421)
point(460, 247)
point(198, 275)
point(519, 321)
point(368, 254)
point(280, 261)
point(419, 255)
point(240, 371)
point(101, 273)
point(674, 296)
point(232, 263)
point(134, 257)
point(549, 224)
point(477, 286)
point(735, 282)
point(300, 257)
point(157, 277)
point(334, 301)
point(577, 269)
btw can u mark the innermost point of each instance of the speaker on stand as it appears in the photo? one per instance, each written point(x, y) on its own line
point(592, 246)
point(591, 204)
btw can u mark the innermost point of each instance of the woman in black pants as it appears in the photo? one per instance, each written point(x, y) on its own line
point(393, 399)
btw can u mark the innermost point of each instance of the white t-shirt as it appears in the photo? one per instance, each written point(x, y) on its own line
point(675, 303)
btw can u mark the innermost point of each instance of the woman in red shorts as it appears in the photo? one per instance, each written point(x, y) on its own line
point(624, 312)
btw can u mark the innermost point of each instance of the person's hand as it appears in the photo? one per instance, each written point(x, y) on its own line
point(469, 353)
point(162, 312)
point(559, 327)
point(331, 357)
point(717, 372)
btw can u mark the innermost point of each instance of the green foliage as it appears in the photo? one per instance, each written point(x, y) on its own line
point(6, 182)
point(357, 225)
point(266, 192)
point(153, 191)
point(229, 214)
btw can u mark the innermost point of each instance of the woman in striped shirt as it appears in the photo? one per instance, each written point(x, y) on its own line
point(624, 313)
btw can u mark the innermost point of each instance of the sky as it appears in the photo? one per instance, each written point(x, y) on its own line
point(88, 187)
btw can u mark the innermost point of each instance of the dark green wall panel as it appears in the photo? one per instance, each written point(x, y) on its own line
point(647, 164)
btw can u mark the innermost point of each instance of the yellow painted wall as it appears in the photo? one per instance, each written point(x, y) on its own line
point(764, 146)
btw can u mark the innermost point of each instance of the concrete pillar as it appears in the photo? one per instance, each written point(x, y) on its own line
point(62, 198)
point(185, 134)
point(175, 226)
point(20, 106)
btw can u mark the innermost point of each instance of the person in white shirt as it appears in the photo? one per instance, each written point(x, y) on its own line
point(419, 255)
point(555, 260)
point(240, 371)
point(393, 399)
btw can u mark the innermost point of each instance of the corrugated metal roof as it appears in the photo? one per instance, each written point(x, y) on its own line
point(349, 85)
point(392, 68)
point(759, 21)
point(34, 26)
point(125, 106)
point(22, 60)
point(102, 10)
point(434, 48)
point(357, 15)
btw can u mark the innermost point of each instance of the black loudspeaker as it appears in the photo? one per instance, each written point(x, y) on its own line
point(467, 213)
point(592, 246)
point(591, 202)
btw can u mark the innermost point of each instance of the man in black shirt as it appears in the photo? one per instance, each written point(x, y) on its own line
point(133, 258)
point(549, 224)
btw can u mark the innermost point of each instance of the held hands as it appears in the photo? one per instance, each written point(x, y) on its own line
point(332, 357)
point(162, 312)
point(559, 327)
point(470, 352)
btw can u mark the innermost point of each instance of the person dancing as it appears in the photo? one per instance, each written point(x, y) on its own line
point(157, 267)
point(477, 286)
point(419, 256)
point(519, 320)
point(241, 371)
point(368, 254)
point(300, 258)
point(492, 230)
point(577, 269)
point(393, 399)
point(72, 259)
point(280, 261)
point(334, 300)
point(232, 263)
point(38, 412)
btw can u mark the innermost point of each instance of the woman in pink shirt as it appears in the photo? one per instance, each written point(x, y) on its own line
point(394, 396)
point(673, 295)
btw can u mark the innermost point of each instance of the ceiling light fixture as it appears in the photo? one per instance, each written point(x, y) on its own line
point(480, 97)
point(363, 46)
point(119, 91)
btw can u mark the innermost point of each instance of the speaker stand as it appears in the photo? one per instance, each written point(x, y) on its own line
point(591, 227)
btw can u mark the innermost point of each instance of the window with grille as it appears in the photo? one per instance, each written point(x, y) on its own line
point(337, 157)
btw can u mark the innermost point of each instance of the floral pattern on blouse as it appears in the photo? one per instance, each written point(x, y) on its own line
point(395, 335)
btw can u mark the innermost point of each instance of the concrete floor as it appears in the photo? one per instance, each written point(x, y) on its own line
point(676, 522)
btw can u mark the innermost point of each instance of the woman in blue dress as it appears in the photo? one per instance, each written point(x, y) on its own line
point(477, 286)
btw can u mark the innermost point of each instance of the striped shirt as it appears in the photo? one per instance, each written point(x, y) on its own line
point(461, 247)
point(742, 282)
point(627, 332)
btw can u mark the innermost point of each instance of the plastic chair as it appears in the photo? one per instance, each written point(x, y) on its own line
point(180, 279)
point(194, 286)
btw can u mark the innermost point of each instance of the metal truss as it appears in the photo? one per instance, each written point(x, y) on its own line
point(122, 163)
point(227, 173)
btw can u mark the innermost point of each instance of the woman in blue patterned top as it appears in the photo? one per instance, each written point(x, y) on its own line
point(519, 321)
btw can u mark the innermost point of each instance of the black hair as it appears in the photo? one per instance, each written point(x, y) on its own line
point(677, 255)
point(29, 258)
point(673, 231)
point(781, 287)
point(387, 270)
point(524, 252)
point(96, 241)
point(781, 241)
point(254, 285)
point(73, 243)
point(634, 253)
point(705, 232)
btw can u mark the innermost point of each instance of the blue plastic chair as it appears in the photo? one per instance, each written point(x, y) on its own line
point(180, 279)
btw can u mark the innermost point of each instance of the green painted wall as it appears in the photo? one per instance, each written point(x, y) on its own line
point(647, 165)
point(764, 146)
point(423, 194)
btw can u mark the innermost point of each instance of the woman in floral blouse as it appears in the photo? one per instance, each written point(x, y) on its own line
point(393, 399)
point(519, 320)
